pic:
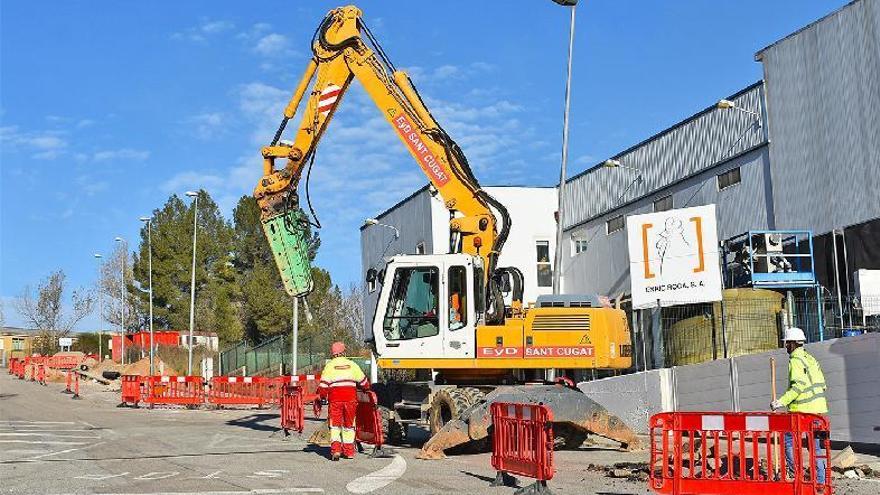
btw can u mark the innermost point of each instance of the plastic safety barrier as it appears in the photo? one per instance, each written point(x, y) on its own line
point(41, 374)
point(240, 390)
point(368, 421)
point(522, 443)
point(739, 453)
point(62, 362)
point(10, 369)
point(131, 391)
point(308, 384)
point(72, 384)
point(175, 390)
point(292, 409)
point(18, 369)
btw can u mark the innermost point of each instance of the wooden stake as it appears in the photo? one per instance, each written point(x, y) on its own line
point(776, 453)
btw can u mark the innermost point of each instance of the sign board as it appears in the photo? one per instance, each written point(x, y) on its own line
point(674, 257)
point(65, 341)
point(868, 290)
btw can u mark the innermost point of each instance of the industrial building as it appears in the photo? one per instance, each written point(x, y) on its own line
point(795, 155)
point(796, 151)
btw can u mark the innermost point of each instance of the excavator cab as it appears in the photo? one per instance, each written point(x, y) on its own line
point(427, 308)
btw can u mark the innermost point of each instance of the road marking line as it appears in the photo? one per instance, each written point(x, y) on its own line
point(380, 478)
point(39, 422)
point(158, 475)
point(99, 477)
point(208, 477)
point(17, 434)
point(259, 491)
point(268, 473)
point(15, 429)
point(38, 442)
point(67, 451)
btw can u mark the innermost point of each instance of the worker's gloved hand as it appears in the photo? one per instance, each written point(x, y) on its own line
point(776, 406)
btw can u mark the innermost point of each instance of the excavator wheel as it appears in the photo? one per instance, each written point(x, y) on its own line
point(448, 404)
point(393, 432)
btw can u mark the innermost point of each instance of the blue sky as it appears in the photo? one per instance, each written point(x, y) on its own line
point(109, 107)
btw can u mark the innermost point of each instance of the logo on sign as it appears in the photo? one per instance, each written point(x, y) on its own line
point(429, 163)
point(500, 352)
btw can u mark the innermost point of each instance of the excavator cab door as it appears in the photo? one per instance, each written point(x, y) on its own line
point(426, 308)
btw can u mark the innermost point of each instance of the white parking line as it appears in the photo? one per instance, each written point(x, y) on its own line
point(45, 434)
point(66, 451)
point(380, 478)
point(42, 442)
point(259, 491)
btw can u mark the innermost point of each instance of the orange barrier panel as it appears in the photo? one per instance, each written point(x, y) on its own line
point(368, 422)
point(292, 409)
point(10, 365)
point(62, 362)
point(175, 390)
point(522, 443)
point(19, 369)
point(41, 374)
point(72, 384)
point(308, 384)
point(739, 454)
point(131, 392)
point(240, 390)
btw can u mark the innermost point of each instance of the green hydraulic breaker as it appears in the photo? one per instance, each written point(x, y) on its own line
point(287, 236)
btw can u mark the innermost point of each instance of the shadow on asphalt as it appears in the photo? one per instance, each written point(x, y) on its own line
point(487, 479)
point(7, 396)
point(256, 422)
point(317, 449)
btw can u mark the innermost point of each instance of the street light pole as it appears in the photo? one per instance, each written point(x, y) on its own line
point(557, 261)
point(149, 222)
point(100, 307)
point(192, 289)
point(122, 306)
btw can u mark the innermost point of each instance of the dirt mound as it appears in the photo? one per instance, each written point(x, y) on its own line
point(105, 365)
point(56, 376)
point(142, 367)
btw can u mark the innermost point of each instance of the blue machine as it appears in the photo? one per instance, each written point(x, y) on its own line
point(772, 259)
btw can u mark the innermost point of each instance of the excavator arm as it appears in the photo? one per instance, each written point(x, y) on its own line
point(340, 55)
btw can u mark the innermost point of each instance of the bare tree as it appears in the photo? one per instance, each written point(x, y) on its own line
point(44, 310)
point(111, 286)
point(351, 313)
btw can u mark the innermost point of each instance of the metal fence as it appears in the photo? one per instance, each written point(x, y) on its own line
point(695, 333)
point(270, 357)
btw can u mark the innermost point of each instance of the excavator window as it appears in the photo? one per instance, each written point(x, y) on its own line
point(457, 297)
point(412, 311)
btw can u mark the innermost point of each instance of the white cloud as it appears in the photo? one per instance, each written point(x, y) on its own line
point(204, 30)
point(272, 44)
point(121, 154)
point(44, 145)
point(208, 124)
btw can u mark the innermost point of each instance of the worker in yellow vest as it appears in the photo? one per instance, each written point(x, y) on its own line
point(339, 383)
point(805, 394)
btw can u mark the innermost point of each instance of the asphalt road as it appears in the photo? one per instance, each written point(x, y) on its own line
point(51, 444)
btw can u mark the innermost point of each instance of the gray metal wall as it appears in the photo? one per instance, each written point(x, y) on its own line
point(696, 144)
point(412, 217)
point(604, 267)
point(823, 96)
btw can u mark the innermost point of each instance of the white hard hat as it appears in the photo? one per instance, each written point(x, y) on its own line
point(794, 334)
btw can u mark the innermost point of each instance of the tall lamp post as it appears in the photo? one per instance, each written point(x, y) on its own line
point(192, 288)
point(100, 307)
point(122, 295)
point(149, 222)
point(557, 261)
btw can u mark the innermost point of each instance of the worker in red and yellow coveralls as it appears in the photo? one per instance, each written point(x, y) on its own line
point(339, 383)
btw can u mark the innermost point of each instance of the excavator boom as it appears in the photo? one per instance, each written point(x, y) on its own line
point(341, 55)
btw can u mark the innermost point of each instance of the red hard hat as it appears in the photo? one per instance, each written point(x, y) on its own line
point(337, 348)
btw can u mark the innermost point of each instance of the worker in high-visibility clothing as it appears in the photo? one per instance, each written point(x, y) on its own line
point(805, 394)
point(339, 383)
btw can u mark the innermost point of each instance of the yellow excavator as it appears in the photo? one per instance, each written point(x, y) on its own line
point(443, 313)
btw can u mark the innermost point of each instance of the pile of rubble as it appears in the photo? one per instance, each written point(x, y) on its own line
point(630, 471)
point(846, 465)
